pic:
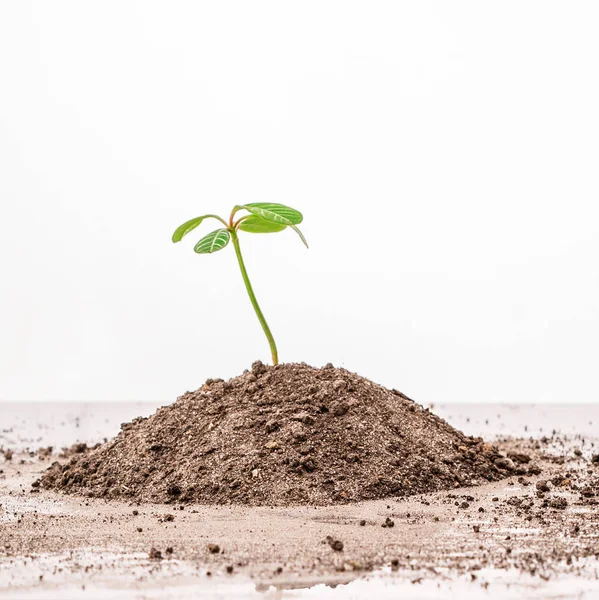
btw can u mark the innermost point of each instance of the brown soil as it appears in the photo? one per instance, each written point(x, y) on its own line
point(289, 434)
point(523, 536)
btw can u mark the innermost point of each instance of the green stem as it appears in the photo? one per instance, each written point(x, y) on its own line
point(218, 219)
point(248, 287)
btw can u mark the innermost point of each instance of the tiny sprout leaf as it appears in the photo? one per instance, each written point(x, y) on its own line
point(256, 224)
point(213, 242)
point(188, 226)
point(277, 213)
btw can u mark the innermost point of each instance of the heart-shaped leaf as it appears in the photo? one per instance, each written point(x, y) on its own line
point(214, 241)
point(256, 224)
point(188, 226)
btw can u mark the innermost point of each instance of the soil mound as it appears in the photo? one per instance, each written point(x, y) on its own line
point(282, 435)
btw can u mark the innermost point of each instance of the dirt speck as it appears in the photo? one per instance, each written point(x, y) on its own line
point(542, 486)
point(336, 545)
point(559, 503)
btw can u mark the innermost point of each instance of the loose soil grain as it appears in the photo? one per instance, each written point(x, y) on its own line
point(284, 435)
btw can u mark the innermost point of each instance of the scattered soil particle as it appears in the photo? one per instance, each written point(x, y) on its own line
point(336, 545)
point(519, 457)
point(229, 569)
point(362, 523)
point(283, 435)
point(155, 554)
point(213, 548)
point(388, 523)
point(45, 452)
point(534, 470)
point(505, 463)
point(542, 486)
point(560, 503)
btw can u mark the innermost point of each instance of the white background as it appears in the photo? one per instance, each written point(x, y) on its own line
point(445, 156)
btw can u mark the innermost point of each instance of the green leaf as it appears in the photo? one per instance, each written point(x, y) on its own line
point(256, 224)
point(276, 213)
point(188, 226)
point(213, 242)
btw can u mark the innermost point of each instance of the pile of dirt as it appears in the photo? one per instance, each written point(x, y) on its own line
point(283, 435)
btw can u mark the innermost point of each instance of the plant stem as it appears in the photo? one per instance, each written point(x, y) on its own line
point(218, 219)
point(248, 287)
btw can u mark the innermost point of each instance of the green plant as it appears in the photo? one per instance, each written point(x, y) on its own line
point(263, 217)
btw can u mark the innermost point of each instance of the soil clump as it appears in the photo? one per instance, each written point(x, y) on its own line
point(284, 435)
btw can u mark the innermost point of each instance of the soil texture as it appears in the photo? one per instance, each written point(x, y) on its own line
point(284, 435)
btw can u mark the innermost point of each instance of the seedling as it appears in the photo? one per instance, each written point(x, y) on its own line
point(263, 217)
